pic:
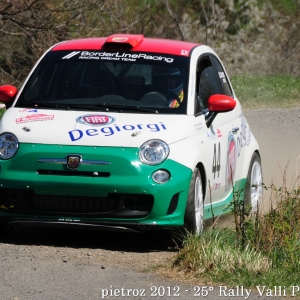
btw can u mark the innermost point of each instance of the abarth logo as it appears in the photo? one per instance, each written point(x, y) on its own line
point(74, 161)
point(95, 120)
point(119, 39)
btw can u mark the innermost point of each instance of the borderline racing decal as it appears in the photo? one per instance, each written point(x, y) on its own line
point(117, 56)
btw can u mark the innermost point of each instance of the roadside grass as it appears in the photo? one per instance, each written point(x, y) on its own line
point(1, 112)
point(267, 91)
point(287, 6)
point(262, 250)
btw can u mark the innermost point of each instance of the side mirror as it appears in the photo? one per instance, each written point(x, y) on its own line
point(8, 94)
point(218, 104)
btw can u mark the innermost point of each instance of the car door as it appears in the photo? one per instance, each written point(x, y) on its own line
point(221, 133)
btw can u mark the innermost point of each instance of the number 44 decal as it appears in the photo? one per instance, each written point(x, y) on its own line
point(216, 166)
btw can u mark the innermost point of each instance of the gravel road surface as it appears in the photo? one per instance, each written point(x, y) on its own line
point(60, 264)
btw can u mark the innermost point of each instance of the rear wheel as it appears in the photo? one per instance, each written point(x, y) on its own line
point(195, 205)
point(254, 190)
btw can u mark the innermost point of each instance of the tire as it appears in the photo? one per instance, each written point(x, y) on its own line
point(4, 230)
point(194, 211)
point(254, 191)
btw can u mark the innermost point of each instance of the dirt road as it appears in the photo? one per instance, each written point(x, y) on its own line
point(277, 132)
point(67, 264)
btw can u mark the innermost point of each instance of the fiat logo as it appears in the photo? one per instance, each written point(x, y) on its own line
point(74, 161)
point(95, 120)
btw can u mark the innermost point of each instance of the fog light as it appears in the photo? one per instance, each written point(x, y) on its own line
point(161, 176)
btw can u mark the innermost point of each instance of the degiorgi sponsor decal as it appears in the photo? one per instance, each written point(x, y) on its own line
point(102, 120)
point(117, 56)
point(34, 118)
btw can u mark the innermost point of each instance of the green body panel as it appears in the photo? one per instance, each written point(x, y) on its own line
point(222, 207)
point(127, 175)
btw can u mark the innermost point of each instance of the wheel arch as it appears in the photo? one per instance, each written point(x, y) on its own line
point(258, 153)
point(201, 168)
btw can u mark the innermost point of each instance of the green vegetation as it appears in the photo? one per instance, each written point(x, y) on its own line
point(266, 253)
point(246, 34)
point(1, 112)
point(286, 6)
point(267, 91)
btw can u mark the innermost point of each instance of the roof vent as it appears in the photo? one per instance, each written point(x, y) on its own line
point(123, 41)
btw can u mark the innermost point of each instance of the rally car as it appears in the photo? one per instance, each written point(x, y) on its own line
point(125, 133)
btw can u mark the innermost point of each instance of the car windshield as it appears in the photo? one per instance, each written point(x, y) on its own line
point(110, 80)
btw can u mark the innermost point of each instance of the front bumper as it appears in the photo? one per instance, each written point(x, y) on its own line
point(120, 194)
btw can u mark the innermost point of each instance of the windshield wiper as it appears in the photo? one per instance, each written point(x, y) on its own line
point(129, 107)
point(104, 106)
point(61, 105)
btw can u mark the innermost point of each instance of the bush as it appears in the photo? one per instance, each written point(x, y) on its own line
point(267, 253)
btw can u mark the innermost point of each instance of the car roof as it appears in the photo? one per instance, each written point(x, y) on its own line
point(129, 42)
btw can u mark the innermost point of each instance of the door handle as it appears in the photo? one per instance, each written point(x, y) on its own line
point(235, 130)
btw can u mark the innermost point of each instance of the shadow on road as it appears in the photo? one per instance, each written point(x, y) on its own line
point(93, 239)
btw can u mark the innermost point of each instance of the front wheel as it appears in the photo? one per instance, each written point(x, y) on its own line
point(4, 230)
point(194, 212)
point(254, 191)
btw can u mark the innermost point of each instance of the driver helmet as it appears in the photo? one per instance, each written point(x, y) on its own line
point(169, 79)
point(97, 83)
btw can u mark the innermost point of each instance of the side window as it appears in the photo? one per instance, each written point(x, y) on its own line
point(222, 76)
point(207, 83)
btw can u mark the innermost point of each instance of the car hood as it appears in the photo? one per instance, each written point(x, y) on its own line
point(42, 126)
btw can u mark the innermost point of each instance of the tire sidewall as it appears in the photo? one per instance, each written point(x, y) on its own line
point(190, 212)
point(247, 195)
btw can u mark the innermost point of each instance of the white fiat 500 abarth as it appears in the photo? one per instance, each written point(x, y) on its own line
point(125, 133)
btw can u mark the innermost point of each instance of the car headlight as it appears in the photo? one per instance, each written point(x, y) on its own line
point(8, 145)
point(154, 152)
point(161, 176)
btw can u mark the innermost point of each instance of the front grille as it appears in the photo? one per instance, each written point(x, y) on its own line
point(138, 202)
point(113, 206)
point(74, 204)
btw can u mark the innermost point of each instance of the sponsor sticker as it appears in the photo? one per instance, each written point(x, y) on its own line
point(78, 134)
point(119, 39)
point(34, 118)
point(221, 75)
point(231, 161)
point(215, 186)
point(28, 110)
point(214, 134)
point(95, 120)
point(103, 55)
point(198, 126)
point(184, 52)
